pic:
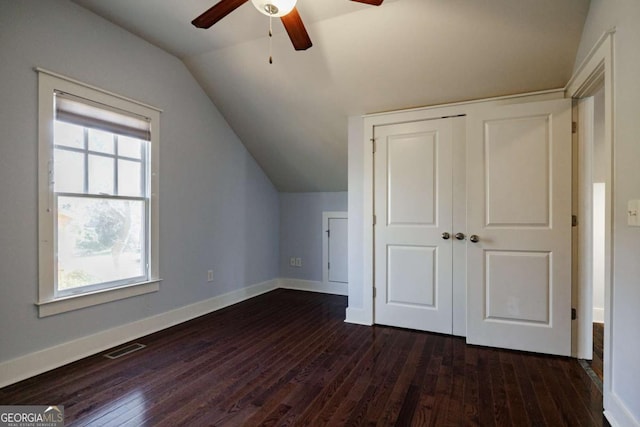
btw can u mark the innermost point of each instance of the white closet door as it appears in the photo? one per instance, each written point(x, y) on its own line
point(413, 208)
point(519, 207)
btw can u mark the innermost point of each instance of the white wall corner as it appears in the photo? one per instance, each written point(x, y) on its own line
point(314, 286)
point(32, 364)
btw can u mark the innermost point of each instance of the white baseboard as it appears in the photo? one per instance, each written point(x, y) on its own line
point(598, 315)
point(50, 358)
point(358, 316)
point(315, 286)
point(618, 414)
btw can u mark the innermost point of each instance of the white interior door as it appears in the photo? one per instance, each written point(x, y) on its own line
point(337, 250)
point(519, 207)
point(413, 208)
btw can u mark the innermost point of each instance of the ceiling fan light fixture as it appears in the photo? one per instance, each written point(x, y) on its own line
point(275, 8)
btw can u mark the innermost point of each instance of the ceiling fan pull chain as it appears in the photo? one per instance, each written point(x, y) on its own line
point(270, 38)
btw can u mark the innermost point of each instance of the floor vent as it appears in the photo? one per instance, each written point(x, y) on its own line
point(123, 351)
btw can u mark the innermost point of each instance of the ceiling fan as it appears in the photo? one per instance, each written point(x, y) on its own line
point(283, 9)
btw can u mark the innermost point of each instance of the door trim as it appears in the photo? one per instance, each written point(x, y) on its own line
point(598, 67)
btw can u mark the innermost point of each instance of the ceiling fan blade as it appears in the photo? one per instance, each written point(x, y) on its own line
point(217, 12)
point(295, 28)
point(371, 2)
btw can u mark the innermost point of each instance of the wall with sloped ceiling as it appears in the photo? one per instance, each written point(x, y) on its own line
point(218, 210)
point(301, 231)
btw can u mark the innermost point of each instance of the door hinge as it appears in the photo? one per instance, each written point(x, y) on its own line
point(374, 220)
point(328, 234)
point(574, 220)
point(373, 143)
point(374, 292)
point(574, 314)
point(574, 127)
point(328, 266)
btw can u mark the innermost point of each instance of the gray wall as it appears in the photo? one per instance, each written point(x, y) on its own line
point(218, 210)
point(624, 378)
point(301, 231)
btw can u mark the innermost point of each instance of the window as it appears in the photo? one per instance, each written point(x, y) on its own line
point(98, 226)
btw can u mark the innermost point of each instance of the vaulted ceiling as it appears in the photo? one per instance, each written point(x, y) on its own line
point(292, 114)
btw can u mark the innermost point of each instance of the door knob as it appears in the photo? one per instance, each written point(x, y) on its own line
point(474, 238)
point(446, 235)
point(459, 236)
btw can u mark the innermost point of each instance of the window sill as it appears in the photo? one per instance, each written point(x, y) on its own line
point(76, 302)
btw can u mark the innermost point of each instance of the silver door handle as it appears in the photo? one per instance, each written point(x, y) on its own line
point(459, 236)
point(446, 235)
point(473, 238)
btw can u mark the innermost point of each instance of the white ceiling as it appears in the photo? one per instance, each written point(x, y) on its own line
point(292, 115)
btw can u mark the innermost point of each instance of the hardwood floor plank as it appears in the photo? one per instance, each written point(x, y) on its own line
point(186, 373)
point(288, 358)
point(486, 403)
point(261, 376)
point(556, 375)
point(527, 389)
point(455, 411)
point(471, 396)
point(381, 386)
point(585, 389)
point(444, 386)
point(598, 350)
point(548, 398)
point(330, 379)
point(361, 393)
point(401, 402)
point(501, 413)
point(514, 397)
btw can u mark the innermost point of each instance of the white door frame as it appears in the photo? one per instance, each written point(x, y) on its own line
point(342, 288)
point(596, 69)
point(582, 234)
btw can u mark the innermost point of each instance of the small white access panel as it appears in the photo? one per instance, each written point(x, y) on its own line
point(338, 250)
point(335, 253)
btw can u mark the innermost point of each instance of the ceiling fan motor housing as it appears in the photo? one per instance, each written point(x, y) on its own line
point(275, 8)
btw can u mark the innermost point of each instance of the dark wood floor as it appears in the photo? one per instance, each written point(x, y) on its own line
point(598, 348)
point(288, 358)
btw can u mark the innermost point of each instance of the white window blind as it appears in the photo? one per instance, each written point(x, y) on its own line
point(86, 113)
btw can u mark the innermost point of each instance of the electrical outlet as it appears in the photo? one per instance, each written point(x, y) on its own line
point(210, 276)
point(298, 262)
point(292, 262)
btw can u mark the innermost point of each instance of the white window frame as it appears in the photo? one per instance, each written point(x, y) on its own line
point(48, 303)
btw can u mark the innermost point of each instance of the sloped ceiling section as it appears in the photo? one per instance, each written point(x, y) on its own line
point(292, 115)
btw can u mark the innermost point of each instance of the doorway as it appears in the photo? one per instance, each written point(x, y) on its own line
point(595, 74)
point(592, 195)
